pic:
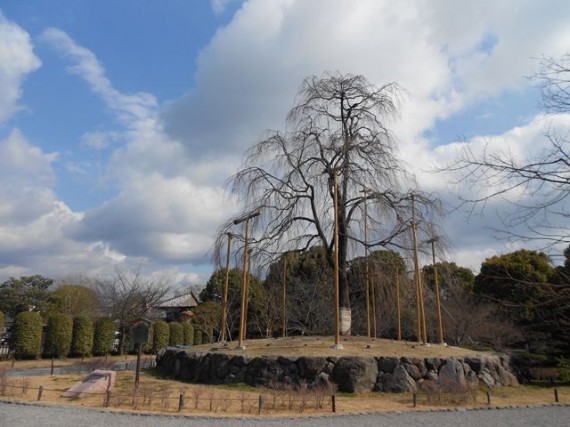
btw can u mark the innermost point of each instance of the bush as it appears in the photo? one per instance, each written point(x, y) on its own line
point(188, 331)
point(161, 335)
point(59, 330)
point(26, 339)
point(176, 334)
point(1, 323)
point(207, 335)
point(82, 338)
point(104, 336)
point(197, 335)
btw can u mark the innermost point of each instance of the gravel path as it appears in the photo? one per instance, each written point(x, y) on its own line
point(26, 415)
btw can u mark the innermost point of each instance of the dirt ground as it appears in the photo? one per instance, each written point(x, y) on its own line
point(164, 395)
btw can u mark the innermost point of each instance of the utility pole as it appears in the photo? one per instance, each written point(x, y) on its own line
point(422, 334)
point(247, 279)
point(366, 265)
point(337, 344)
point(398, 309)
point(284, 319)
point(437, 292)
point(242, 323)
point(225, 294)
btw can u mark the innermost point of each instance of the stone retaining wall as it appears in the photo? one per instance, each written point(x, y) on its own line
point(350, 374)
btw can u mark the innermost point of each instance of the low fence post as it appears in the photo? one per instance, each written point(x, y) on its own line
point(414, 399)
point(181, 403)
point(40, 392)
point(260, 404)
point(556, 399)
point(488, 397)
point(333, 403)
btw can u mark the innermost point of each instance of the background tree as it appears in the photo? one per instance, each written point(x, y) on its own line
point(385, 267)
point(76, 300)
point(309, 292)
point(26, 338)
point(127, 297)
point(531, 293)
point(58, 334)
point(337, 131)
point(207, 314)
point(25, 293)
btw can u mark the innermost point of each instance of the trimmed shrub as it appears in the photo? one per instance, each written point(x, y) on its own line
point(161, 335)
point(82, 337)
point(208, 335)
point(188, 331)
point(197, 335)
point(58, 333)
point(26, 339)
point(176, 334)
point(1, 323)
point(104, 336)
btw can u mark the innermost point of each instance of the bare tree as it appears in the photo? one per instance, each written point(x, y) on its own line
point(126, 297)
point(336, 132)
point(543, 179)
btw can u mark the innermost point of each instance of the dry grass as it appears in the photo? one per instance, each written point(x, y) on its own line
point(155, 394)
point(323, 346)
point(163, 395)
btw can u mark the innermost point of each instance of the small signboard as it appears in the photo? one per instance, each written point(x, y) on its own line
point(141, 331)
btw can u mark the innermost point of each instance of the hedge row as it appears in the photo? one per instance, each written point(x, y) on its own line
point(79, 337)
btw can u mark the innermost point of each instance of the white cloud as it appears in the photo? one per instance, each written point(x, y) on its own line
point(17, 59)
point(169, 206)
point(219, 6)
point(446, 54)
point(135, 108)
point(99, 140)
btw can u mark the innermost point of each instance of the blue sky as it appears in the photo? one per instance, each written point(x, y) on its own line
point(121, 120)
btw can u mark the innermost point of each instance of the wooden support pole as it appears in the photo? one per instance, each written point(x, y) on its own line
point(225, 294)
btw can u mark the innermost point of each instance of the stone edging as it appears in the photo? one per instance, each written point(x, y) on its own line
point(350, 374)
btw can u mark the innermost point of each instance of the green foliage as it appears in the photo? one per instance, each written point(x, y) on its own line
point(188, 331)
point(1, 322)
point(209, 312)
point(309, 291)
point(511, 278)
point(161, 335)
point(198, 335)
point(82, 338)
point(25, 293)
point(449, 275)
point(27, 336)
point(176, 334)
point(104, 336)
point(58, 334)
point(75, 300)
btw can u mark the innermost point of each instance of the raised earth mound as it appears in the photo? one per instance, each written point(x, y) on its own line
point(363, 364)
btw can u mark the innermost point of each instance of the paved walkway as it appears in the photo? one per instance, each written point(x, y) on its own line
point(28, 415)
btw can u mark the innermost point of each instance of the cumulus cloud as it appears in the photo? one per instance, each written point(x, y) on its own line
point(445, 54)
point(17, 59)
point(167, 209)
point(169, 162)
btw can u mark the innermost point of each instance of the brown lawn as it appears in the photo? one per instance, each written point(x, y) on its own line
point(155, 394)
